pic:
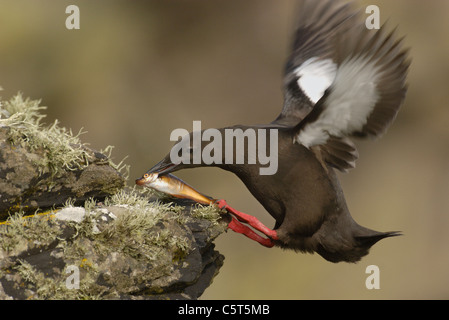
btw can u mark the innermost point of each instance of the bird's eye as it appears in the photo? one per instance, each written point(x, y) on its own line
point(146, 175)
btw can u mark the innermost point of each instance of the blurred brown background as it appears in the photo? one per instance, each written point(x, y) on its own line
point(136, 70)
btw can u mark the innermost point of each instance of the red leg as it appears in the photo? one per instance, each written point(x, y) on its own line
point(252, 221)
point(238, 227)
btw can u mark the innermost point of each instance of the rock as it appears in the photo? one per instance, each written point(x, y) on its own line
point(76, 214)
point(118, 251)
point(24, 186)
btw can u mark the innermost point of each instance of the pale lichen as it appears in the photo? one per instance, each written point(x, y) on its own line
point(21, 230)
point(211, 213)
point(45, 288)
point(63, 150)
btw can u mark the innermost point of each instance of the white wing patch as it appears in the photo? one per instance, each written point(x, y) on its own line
point(315, 76)
point(352, 97)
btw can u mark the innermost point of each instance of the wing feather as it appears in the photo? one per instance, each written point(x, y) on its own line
point(311, 68)
point(364, 96)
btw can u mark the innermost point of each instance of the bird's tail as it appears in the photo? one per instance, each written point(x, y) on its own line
point(370, 237)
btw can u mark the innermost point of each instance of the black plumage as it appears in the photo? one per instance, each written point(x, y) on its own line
point(341, 81)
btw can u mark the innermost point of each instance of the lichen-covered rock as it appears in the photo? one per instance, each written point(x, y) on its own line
point(44, 166)
point(106, 242)
point(130, 250)
point(23, 187)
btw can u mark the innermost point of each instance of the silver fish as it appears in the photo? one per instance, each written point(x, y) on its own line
point(174, 186)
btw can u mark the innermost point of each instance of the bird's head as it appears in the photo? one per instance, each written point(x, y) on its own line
point(191, 151)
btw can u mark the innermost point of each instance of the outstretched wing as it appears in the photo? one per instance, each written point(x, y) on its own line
point(311, 67)
point(364, 96)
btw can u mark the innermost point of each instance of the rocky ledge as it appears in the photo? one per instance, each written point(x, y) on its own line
point(125, 248)
point(71, 229)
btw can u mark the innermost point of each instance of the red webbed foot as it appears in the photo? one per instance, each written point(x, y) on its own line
point(237, 226)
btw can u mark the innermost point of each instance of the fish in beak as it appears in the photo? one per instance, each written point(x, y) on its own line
point(173, 186)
